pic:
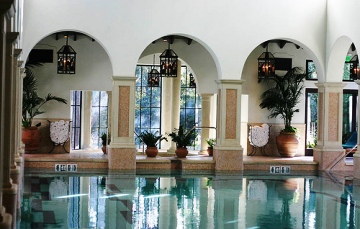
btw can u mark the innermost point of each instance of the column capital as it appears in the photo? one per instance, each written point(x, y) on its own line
point(12, 37)
point(232, 82)
point(330, 86)
point(17, 53)
point(124, 78)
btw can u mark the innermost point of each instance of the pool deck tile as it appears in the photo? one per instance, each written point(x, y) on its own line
point(97, 160)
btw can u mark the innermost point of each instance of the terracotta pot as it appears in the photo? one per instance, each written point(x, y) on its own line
point(181, 152)
point(287, 144)
point(151, 151)
point(31, 138)
point(210, 151)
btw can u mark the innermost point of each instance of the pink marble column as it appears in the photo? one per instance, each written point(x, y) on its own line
point(228, 153)
point(122, 150)
point(329, 146)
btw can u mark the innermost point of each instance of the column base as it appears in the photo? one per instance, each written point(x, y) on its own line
point(327, 159)
point(228, 158)
point(356, 157)
point(10, 200)
point(122, 158)
point(6, 221)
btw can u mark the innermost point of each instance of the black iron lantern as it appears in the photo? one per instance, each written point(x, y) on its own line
point(153, 76)
point(66, 59)
point(192, 83)
point(354, 67)
point(168, 63)
point(266, 65)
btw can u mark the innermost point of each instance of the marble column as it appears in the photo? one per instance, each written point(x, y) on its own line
point(330, 108)
point(228, 153)
point(166, 111)
point(175, 105)
point(356, 155)
point(122, 150)
point(206, 108)
point(87, 120)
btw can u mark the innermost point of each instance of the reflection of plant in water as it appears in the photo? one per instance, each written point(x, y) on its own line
point(149, 187)
point(182, 189)
point(288, 191)
point(209, 182)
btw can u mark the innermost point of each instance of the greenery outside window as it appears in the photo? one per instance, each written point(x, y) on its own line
point(147, 105)
point(311, 73)
point(190, 106)
point(99, 117)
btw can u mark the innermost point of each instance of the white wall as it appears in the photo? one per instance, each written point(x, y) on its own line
point(93, 72)
point(228, 30)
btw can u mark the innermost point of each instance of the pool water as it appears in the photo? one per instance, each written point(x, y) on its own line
point(145, 200)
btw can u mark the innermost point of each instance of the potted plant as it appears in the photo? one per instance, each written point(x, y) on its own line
point(105, 140)
point(211, 142)
point(182, 138)
point(281, 100)
point(151, 140)
point(31, 107)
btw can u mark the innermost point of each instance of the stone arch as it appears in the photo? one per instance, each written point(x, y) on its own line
point(197, 55)
point(336, 59)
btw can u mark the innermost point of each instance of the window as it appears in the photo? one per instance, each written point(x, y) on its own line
point(76, 106)
point(311, 73)
point(190, 105)
point(99, 117)
point(148, 104)
point(350, 113)
point(311, 118)
point(350, 116)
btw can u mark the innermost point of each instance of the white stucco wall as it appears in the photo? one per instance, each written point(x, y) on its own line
point(226, 34)
point(229, 30)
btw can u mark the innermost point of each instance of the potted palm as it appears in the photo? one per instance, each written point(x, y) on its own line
point(105, 140)
point(31, 107)
point(151, 141)
point(281, 100)
point(211, 142)
point(182, 138)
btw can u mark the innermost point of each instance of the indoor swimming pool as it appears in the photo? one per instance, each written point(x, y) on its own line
point(189, 200)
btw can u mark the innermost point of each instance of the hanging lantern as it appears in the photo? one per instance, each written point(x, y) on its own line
point(266, 65)
point(66, 59)
point(354, 67)
point(153, 76)
point(168, 63)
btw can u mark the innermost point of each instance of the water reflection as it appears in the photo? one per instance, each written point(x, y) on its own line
point(192, 201)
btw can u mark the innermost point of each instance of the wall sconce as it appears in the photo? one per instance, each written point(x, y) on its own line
point(168, 63)
point(266, 65)
point(66, 59)
point(153, 76)
point(192, 83)
point(354, 67)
